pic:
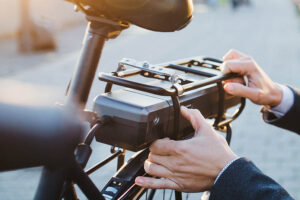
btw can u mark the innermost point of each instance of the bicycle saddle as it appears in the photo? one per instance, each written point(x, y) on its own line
point(155, 15)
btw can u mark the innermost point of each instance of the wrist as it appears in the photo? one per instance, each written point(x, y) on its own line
point(225, 167)
point(227, 159)
point(286, 103)
point(276, 95)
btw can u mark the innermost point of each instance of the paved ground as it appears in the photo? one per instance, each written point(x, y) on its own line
point(268, 30)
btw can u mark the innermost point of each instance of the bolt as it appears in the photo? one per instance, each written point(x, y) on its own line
point(146, 65)
point(155, 120)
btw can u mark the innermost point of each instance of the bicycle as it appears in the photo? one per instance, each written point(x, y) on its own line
point(188, 82)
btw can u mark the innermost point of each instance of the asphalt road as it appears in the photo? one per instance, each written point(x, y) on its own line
point(268, 30)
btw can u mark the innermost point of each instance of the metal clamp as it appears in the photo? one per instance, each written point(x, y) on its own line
point(168, 74)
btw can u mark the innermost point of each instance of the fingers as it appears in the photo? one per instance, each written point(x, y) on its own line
point(233, 54)
point(165, 161)
point(240, 90)
point(155, 183)
point(242, 66)
point(163, 147)
point(193, 116)
point(156, 170)
point(168, 147)
point(197, 121)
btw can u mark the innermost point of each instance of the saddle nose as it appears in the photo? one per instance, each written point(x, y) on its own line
point(155, 15)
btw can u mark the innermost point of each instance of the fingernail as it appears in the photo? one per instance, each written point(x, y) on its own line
point(139, 180)
point(147, 165)
point(228, 87)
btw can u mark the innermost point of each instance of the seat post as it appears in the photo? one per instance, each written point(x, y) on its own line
point(98, 31)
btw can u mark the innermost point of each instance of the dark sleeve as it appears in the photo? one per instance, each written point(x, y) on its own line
point(291, 120)
point(242, 180)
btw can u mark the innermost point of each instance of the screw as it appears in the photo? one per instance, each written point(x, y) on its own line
point(155, 120)
point(146, 65)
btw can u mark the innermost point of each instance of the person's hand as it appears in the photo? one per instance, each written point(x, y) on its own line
point(260, 89)
point(189, 165)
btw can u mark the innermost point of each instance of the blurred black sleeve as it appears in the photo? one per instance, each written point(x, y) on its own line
point(291, 120)
point(242, 180)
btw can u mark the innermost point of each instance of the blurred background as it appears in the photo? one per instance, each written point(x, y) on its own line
point(35, 68)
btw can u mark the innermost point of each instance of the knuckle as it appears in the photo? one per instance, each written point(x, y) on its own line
point(258, 95)
point(180, 149)
point(172, 146)
point(153, 146)
point(227, 65)
point(156, 145)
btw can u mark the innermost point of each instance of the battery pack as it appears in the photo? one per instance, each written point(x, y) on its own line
point(137, 118)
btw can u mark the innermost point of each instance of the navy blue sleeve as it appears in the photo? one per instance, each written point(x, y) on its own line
point(242, 180)
point(290, 120)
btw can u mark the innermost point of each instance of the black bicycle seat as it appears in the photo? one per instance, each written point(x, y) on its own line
point(156, 15)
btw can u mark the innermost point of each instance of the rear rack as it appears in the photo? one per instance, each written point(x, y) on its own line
point(203, 66)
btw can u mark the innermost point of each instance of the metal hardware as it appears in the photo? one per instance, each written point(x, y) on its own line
point(144, 65)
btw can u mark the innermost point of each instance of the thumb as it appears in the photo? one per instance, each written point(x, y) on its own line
point(241, 90)
point(194, 117)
